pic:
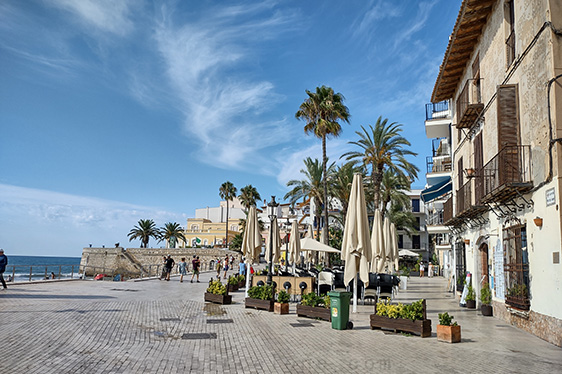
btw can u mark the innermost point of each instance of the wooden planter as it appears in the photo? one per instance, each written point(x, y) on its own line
point(449, 334)
point(471, 304)
point(314, 312)
point(241, 285)
point(259, 304)
point(281, 308)
point(486, 310)
point(420, 327)
point(218, 299)
point(232, 287)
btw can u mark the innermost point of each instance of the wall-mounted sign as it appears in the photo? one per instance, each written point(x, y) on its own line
point(550, 197)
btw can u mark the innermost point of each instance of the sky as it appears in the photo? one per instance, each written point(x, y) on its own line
point(116, 111)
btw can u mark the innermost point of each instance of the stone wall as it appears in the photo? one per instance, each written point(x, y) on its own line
point(132, 261)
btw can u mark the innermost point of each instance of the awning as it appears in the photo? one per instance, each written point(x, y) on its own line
point(439, 189)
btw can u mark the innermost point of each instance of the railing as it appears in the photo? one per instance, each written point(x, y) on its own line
point(435, 218)
point(464, 197)
point(510, 48)
point(437, 110)
point(448, 210)
point(468, 104)
point(440, 147)
point(511, 167)
point(438, 165)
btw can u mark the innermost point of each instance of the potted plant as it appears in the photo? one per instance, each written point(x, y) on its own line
point(314, 306)
point(217, 293)
point(260, 297)
point(241, 281)
point(232, 284)
point(410, 318)
point(486, 300)
point(470, 298)
point(281, 306)
point(404, 275)
point(447, 330)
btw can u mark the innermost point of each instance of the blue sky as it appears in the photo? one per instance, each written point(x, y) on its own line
point(115, 111)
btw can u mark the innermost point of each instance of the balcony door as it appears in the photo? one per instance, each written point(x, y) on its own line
point(478, 165)
point(509, 166)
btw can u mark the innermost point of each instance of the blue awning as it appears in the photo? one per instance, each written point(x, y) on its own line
point(439, 189)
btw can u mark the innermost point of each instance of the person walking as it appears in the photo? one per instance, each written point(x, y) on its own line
point(242, 268)
point(183, 268)
point(225, 266)
point(3, 264)
point(218, 267)
point(195, 264)
point(169, 266)
point(163, 274)
point(430, 270)
point(421, 269)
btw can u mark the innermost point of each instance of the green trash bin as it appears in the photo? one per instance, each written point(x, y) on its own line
point(339, 308)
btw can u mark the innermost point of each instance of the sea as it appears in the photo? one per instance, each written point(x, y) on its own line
point(26, 268)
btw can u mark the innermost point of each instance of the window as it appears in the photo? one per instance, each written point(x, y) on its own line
point(510, 42)
point(460, 264)
point(516, 267)
point(415, 205)
point(416, 244)
point(194, 227)
point(400, 241)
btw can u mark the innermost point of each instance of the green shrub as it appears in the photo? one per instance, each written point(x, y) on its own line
point(216, 288)
point(470, 296)
point(261, 292)
point(446, 320)
point(241, 278)
point(310, 299)
point(233, 281)
point(412, 311)
point(486, 294)
point(283, 297)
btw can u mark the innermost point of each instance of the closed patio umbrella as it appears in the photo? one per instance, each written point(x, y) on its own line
point(387, 257)
point(251, 242)
point(274, 233)
point(294, 245)
point(377, 242)
point(394, 243)
point(356, 244)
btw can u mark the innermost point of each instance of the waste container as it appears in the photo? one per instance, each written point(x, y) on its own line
point(339, 308)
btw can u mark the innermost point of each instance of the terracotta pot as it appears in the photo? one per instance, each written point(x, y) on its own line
point(281, 308)
point(449, 334)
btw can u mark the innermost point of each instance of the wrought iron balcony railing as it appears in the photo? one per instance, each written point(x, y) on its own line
point(437, 110)
point(438, 165)
point(469, 104)
point(435, 218)
point(448, 211)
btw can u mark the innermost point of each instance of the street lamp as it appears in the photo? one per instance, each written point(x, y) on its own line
point(271, 212)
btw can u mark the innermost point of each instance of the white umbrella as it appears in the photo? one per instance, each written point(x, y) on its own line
point(394, 243)
point(273, 233)
point(387, 257)
point(356, 244)
point(407, 253)
point(294, 245)
point(309, 244)
point(377, 242)
point(251, 242)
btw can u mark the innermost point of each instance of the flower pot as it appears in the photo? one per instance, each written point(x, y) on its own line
point(403, 282)
point(449, 334)
point(218, 299)
point(486, 310)
point(281, 308)
point(232, 287)
point(471, 304)
point(259, 304)
point(418, 327)
point(314, 312)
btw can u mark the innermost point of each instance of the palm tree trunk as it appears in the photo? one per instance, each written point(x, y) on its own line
point(226, 241)
point(377, 180)
point(325, 183)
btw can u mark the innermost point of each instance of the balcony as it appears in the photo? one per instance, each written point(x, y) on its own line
point(467, 207)
point(435, 218)
point(469, 104)
point(448, 216)
point(439, 165)
point(437, 119)
point(507, 174)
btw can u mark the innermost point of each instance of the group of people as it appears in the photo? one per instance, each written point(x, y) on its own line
point(225, 264)
point(168, 264)
point(429, 269)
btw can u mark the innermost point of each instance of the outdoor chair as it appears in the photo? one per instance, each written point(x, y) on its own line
point(325, 282)
point(386, 284)
point(371, 291)
point(339, 285)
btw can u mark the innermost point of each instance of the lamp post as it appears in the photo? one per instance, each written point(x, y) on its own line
point(287, 245)
point(271, 212)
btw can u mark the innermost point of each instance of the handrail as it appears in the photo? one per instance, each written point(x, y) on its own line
point(437, 110)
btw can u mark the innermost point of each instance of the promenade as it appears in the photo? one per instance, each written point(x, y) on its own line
point(156, 326)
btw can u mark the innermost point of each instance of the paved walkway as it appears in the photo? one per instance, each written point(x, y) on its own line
point(140, 327)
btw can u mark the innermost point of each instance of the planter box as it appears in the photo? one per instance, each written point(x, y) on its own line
point(259, 304)
point(314, 312)
point(449, 334)
point(471, 304)
point(218, 299)
point(232, 287)
point(241, 285)
point(486, 310)
point(420, 327)
point(281, 308)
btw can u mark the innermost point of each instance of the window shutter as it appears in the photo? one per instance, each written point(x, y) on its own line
point(478, 165)
point(508, 119)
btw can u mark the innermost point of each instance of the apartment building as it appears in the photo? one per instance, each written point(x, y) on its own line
point(502, 79)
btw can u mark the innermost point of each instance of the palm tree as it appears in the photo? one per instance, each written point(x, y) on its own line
point(171, 232)
point(145, 229)
point(392, 190)
point(321, 111)
point(383, 148)
point(227, 191)
point(340, 185)
point(248, 196)
point(310, 187)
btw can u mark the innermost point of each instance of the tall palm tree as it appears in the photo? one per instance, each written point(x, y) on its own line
point(340, 185)
point(227, 191)
point(321, 111)
point(392, 190)
point(310, 187)
point(144, 230)
point(248, 196)
point(383, 148)
point(171, 232)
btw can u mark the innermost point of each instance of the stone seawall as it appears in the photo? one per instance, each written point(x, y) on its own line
point(133, 261)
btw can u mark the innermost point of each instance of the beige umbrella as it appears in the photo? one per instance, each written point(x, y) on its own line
point(377, 242)
point(387, 258)
point(394, 243)
point(294, 245)
point(308, 255)
point(356, 244)
point(274, 233)
point(251, 242)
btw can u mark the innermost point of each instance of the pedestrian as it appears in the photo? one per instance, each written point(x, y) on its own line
point(242, 268)
point(3, 264)
point(53, 276)
point(218, 267)
point(169, 266)
point(163, 274)
point(225, 266)
point(430, 270)
point(183, 268)
point(231, 261)
point(421, 269)
point(195, 264)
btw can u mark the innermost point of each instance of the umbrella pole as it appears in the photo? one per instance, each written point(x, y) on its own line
point(355, 294)
point(248, 275)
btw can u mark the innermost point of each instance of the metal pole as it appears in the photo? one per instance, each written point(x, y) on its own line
point(270, 260)
point(30, 272)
